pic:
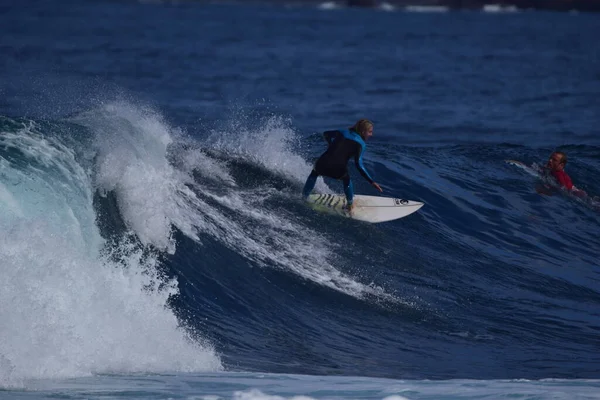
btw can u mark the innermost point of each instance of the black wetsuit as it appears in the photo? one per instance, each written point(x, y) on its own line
point(344, 144)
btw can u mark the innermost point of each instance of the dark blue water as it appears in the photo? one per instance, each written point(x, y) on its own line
point(152, 155)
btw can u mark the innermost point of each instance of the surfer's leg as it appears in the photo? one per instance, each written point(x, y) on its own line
point(310, 183)
point(348, 188)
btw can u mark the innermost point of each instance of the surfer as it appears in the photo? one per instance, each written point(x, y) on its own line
point(343, 145)
point(555, 167)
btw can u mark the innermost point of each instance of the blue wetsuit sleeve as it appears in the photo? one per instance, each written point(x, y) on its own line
point(330, 136)
point(360, 167)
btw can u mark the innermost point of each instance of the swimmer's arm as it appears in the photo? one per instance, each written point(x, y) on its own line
point(578, 192)
point(543, 190)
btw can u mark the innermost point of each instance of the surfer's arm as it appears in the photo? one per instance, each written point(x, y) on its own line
point(330, 136)
point(361, 168)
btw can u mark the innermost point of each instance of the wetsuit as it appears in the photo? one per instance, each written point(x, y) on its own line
point(563, 179)
point(343, 145)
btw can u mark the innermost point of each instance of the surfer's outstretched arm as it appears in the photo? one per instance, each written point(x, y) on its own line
point(361, 168)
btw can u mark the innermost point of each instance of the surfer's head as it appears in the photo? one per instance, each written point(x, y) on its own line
point(364, 128)
point(557, 161)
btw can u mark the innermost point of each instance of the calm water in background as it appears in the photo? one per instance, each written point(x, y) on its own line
point(151, 157)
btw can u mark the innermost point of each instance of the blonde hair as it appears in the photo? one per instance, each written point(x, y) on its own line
point(361, 126)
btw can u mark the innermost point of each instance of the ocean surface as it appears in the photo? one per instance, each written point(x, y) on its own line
point(153, 243)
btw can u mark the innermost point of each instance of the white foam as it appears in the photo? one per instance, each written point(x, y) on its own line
point(255, 394)
point(66, 314)
point(329, 5)
point(427, 9)
point(9, 204)
point(193, 159)
point(386, 7)
point(132, 161)
point(66, 309)
point(499, 8)
point(269, 145)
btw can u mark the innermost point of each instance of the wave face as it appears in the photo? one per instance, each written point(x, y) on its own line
point(149, 194)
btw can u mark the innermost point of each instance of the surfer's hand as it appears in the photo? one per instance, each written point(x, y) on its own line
point(376, 186)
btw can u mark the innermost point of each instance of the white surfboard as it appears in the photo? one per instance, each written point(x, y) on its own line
point(371, 209)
